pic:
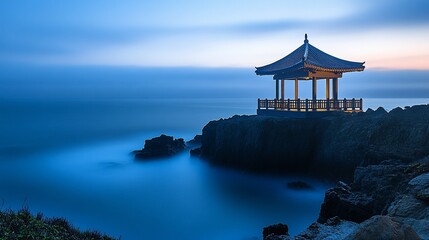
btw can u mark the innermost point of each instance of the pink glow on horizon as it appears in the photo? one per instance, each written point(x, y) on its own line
point(400, 63)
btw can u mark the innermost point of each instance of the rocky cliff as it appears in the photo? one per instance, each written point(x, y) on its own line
point(385, 201)
point(330, 147)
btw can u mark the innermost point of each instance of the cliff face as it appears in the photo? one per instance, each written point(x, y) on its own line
point(330, 147)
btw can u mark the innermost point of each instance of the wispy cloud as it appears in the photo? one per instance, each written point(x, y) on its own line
point(380, 14)
point(31, 35)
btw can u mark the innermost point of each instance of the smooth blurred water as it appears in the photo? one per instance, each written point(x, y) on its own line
point(72, 159)
point(100, 186)
point(67, 134)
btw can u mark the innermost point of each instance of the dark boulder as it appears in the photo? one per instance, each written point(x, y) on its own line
point(420, 186)
point(196, 152)
point(383, 228)
point(162, 146)
point(341, 202)
point(411, 207)
point(275, 231)
point(195, 145)
point(334, 229)
point(196, 141)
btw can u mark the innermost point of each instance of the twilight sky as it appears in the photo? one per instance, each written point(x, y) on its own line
point(387, 34)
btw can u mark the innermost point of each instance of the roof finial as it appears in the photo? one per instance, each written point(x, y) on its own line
point(306, 40)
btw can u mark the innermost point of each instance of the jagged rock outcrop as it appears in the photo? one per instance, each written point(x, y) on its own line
point(372, 190)
point(385, 201)
point(375, 188)
point(195, 145)
point(330, 147)
point(412, 207)
point(195, 142)
point(276, 231)
point(158, 147)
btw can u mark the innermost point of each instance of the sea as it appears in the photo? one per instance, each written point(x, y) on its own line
point(67, 133)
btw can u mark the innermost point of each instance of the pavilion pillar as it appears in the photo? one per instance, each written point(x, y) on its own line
point(314, 89)
point(283, 89)
point(277, 89)
point(328, 95)
point(335, 92)
point(296, 89)
point(314, 92)
point(335, 88)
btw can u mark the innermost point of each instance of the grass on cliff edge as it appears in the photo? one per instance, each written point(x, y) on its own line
point(23, 225)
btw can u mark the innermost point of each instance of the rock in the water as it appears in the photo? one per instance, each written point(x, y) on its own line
point(195, 146)
point(341, 202)
point(196, 152)
point(162, 146)
point(383, 228)
point(299, 185)
point(277, 231)
point(196, 141)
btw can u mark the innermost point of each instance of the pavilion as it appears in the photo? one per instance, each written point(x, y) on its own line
point(308, 63)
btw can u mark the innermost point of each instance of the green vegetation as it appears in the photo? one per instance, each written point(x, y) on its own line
point(23, 225)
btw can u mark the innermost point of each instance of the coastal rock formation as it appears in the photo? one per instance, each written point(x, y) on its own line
point(390, 188)
point(195, 142)
point(385, 201)
point(195, 146)
point(341, 202)
point(275, 231)
point(384, 156)
point(377, 227)
point(262, 143)
point(383, 228)
point(333, 229)
point(330, 147)
point(162, 146)
point(412, 207)
point(372, 190)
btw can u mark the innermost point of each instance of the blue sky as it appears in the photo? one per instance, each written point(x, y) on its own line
point(385, 34)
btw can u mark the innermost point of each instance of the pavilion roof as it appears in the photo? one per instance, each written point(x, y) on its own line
point(308, 57)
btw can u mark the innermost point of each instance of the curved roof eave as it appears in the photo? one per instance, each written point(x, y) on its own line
point(308, 56)
point(297, 66)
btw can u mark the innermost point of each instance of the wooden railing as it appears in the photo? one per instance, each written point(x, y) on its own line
point(311, 105)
